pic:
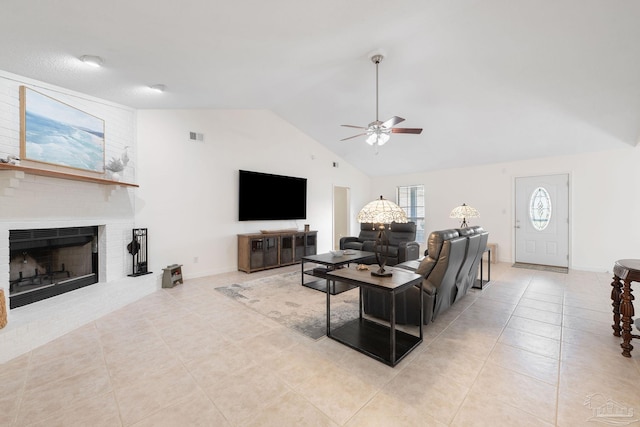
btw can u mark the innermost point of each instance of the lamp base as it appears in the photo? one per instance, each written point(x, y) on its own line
point(381, 273)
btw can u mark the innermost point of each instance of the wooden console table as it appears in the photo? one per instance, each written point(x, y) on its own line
point(625, 271)
point(271, 249)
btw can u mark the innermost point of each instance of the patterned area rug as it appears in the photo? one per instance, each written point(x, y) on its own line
point(283, 299)
point(539, 267)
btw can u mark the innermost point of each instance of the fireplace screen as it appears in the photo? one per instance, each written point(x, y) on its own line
point(49, 262)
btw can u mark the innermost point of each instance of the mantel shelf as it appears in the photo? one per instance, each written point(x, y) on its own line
point(63, 175)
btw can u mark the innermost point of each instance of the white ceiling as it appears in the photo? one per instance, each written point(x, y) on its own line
point(488, 80)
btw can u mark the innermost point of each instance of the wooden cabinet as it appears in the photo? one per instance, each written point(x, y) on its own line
point(260, 251)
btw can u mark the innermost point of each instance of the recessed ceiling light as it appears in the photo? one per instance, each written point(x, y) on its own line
point(158, 87)
point(94, 61)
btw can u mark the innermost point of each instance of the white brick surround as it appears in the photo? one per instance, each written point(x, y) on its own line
point(29, 201)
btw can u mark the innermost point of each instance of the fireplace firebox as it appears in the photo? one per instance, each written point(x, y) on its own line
point(49, 262)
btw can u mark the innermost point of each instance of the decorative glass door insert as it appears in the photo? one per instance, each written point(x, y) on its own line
point(540, 208)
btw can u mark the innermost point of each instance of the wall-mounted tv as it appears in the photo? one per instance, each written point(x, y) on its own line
point(264, 196)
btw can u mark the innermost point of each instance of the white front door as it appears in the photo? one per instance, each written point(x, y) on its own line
point(542, 220)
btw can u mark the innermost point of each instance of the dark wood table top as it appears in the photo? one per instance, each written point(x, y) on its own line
point(331, 259)
point(400, 279)
point(627, 269)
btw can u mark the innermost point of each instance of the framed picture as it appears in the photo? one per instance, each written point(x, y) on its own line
point(57, 133)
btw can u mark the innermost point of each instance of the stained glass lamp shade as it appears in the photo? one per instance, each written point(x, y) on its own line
point(463, 211)
point(381, 212)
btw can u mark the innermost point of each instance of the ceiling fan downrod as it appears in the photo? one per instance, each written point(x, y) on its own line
point(377, 59)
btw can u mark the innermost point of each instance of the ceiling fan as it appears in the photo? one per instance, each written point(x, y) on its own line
point(378, 132)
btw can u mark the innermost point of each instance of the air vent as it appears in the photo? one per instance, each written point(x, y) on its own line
point(195, 136)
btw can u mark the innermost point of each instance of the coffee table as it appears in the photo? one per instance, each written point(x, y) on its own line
point(331, 262)
point(376, 340)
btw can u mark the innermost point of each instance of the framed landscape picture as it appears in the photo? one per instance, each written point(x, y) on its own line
point(56, 133)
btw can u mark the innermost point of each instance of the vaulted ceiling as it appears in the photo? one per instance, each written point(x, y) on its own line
point(488, 80)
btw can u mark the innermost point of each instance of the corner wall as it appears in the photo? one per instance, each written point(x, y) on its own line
point(604, 202)
point(188, 195)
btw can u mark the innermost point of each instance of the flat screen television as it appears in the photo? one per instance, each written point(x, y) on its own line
point(264, 196)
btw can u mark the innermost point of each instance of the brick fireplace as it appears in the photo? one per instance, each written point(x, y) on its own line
point(47, 262)
point(30, 201)
point(39, 322)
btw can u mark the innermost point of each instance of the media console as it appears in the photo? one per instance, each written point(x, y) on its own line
point(272, 249)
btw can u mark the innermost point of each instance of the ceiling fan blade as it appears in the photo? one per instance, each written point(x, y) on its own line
point(392, 122)
point(406, 130)
point(352, 126)
point(354, 136)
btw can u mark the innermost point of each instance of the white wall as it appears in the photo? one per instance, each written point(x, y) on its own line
point(604, 201)
point(188, 195)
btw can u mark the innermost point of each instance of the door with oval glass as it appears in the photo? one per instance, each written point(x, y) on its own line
point(542, 220)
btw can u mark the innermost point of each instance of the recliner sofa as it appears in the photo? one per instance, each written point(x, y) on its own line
point(402, 244)
point(449, 270)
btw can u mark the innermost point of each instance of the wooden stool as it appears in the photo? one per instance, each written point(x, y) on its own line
point(627, 270)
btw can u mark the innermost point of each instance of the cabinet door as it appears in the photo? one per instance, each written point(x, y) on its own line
point(286, 250)
point(299, 246)
point(257, 254)
point(270, 251)
point(310, 246)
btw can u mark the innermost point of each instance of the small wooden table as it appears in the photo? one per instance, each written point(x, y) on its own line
point(385, 344)
point(331, 262)
point(625, 271)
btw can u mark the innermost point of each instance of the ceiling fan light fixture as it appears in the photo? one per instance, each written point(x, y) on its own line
point(158, 88)
point(92, 60)
point(378, 137)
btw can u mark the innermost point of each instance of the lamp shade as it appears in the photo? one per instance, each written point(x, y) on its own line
point(381, 211)
point(464, 211)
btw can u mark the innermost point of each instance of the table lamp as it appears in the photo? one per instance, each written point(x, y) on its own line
point(381, 212)
point(463, 211)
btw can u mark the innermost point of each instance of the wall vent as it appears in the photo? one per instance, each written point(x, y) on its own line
point(195, 136)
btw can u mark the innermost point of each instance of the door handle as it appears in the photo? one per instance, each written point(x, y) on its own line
point(517, 226)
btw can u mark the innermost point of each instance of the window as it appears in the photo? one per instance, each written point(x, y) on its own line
point(540, 208)
point(411, 199)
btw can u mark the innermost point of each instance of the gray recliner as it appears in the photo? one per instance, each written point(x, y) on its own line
point(402, 244)
point(368, 232)
point(465, 278)
point(446, 253)
point(484, 239)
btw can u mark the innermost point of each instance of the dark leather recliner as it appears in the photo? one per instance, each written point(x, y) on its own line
point(464, 281)
point(446, 253)
point(368, 232)
point(477, 244)
point(402, 244)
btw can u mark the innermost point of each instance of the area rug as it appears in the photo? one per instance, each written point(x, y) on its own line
point(283, 299)
point(539, 267)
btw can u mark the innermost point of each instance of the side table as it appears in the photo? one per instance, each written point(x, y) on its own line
point(172, 275)
point(479, 283)
point(625, 271)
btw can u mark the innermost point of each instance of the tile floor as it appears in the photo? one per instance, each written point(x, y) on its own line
point(531, 349)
